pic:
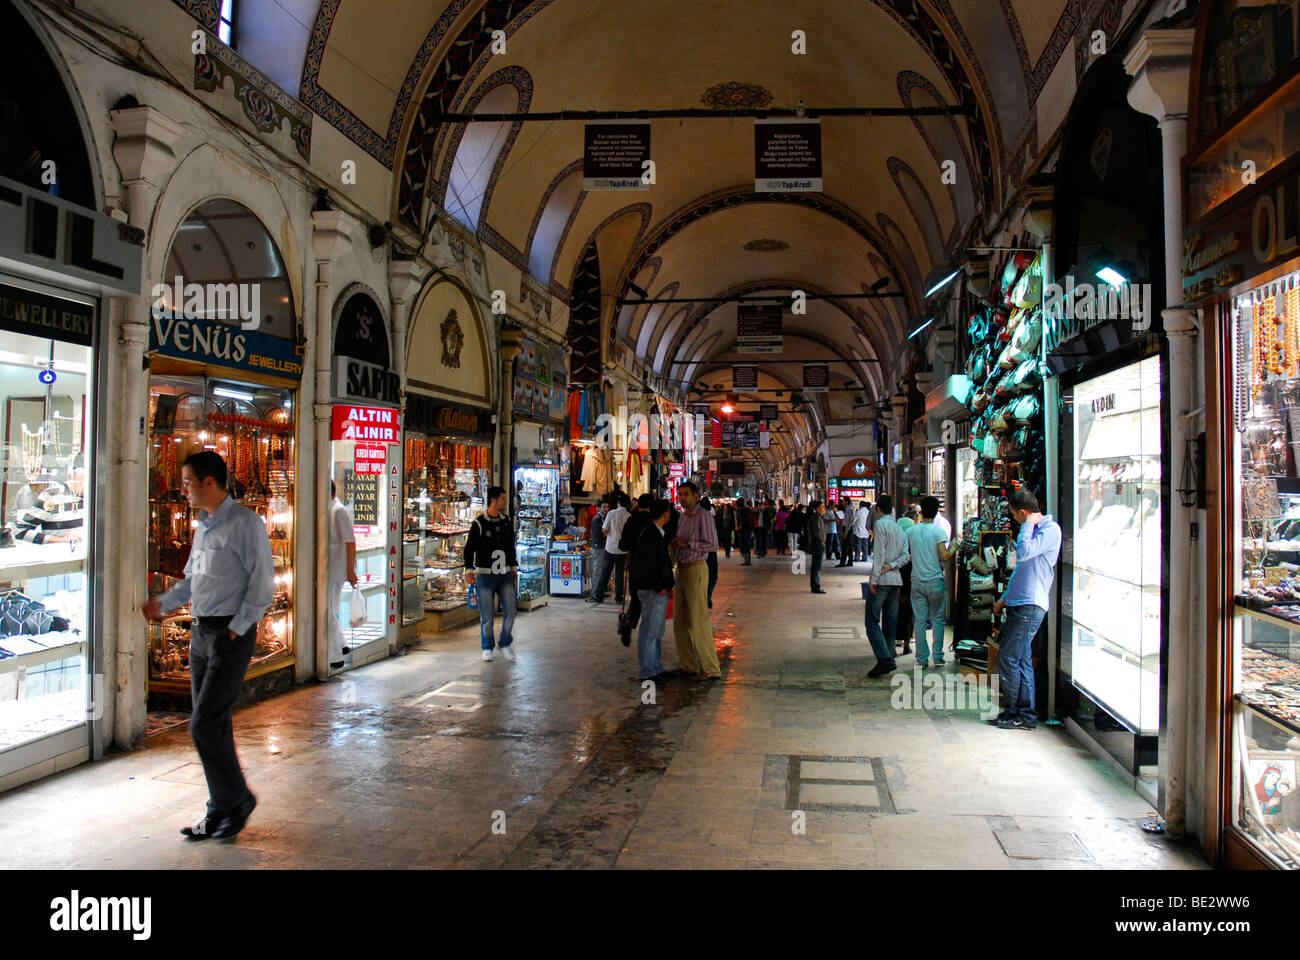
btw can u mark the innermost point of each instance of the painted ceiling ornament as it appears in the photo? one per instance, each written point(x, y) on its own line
point(766, 245)
point(736, 95)
point(453, 339)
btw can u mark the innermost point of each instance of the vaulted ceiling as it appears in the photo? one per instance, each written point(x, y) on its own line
point(886, 212)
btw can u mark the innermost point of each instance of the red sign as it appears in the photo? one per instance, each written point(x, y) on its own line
point(371, 424)
point(369, 459)
point(677, 470)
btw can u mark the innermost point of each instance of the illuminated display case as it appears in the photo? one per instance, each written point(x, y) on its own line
point(446, 487)
point(252, 427)
point(1114, 560)
point(535, 487)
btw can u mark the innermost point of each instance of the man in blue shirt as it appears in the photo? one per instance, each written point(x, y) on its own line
point(229, 584)
point(1026, 601)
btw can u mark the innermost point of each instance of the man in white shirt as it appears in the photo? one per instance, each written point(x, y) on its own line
point(942, 523)
point(342, 567)
point(861, 530)
point(613, 529)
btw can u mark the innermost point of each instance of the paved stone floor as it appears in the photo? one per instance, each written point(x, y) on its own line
point(436, 759)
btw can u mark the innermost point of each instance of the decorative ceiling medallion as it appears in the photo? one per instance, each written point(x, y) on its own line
point(736, 94)
point(766, 245)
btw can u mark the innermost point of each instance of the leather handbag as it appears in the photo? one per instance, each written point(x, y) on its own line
point(999, 420)
point(979, 401)
point(1026, 409)
point(1026, 377)
point(1028, 291)
point(990, 447)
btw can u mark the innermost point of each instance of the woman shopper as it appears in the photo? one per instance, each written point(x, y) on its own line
point(712, 559)
point(782, 540)
point(745, 531)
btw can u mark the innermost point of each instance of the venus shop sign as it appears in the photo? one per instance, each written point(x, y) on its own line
point(369, 424)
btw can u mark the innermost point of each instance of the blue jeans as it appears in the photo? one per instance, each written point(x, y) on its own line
point(883, 601)
point(650, 634)
point(1015, 660)
point(929, 599)
point(491, 588)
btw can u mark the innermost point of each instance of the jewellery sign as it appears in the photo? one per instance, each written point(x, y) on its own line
point(23, 311)
point(210, 341)
point(787, 156)
point(1244, 236)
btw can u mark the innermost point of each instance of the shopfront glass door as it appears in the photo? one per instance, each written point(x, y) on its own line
point(46, 420)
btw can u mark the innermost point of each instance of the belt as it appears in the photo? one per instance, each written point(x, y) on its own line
point(693, 563)
point(222, 619)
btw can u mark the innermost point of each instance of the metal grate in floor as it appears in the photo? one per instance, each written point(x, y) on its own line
point(838, 785)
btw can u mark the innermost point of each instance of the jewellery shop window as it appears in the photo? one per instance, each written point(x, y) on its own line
point(251, 427)
point(1266, 655)
point(446, 486)
point(43, 537)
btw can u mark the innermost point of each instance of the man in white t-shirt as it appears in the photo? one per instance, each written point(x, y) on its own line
point(614, 557)
point(862, 521)
point(342, 567)
point(942, 523)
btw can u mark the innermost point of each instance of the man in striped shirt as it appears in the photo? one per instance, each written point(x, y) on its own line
point(696, 539)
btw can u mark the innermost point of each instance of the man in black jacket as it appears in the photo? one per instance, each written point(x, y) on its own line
point(652, 582)
point(638, 521)
point(814, 542)
point(490, 564)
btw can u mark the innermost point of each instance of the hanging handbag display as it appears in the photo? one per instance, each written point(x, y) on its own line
point(1026, 378)
point(1026, 409)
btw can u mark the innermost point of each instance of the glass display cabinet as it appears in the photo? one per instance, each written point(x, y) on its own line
point(535, 487)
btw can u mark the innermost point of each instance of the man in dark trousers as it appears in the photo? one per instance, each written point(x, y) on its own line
point(627, 541)
point(491, 563)
point(652, 580)
point(814, 543)
point(229, 584)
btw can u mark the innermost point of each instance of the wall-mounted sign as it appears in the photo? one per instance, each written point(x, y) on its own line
point(1246, 235)
point(370, 424)
point(744, 377)
point(361, 356)
point(23, 311)
point(677, 471)
point(816, 378)
point(787, 156)
point(362, 491)
point(367, 459)
point(614, 155)
point(767, 411)
point(211, 341)
point(427, 415)
point(758, 327)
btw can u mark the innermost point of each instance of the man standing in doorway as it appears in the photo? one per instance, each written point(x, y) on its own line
point(490, 564)
point(814, 539)
point(1026, 602)
point(888, 554)
point(341, 568)
point(696, 537)
point(229, 584)
point(596, 537)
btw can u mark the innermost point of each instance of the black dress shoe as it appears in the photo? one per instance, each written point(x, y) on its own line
point(201, 830)
point(882, 668)
point(819, 591)
point(234, 822)
point(338, 665)
point(346, 651)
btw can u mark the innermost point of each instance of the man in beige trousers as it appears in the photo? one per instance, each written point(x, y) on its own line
point(696, 537)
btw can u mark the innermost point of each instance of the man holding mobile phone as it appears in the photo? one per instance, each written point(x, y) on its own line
point(1026, 602)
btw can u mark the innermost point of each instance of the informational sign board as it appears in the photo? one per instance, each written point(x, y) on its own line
point(614, 155)
point(816, 378)
point(362, 491)
point(744, 377)
point(759, 327)
point(787, 156)
point(767, 412)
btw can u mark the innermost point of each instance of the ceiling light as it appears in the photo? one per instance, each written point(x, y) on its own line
point(923, 325)
point(941, 276)
point(232, 394)
point(1112, 276)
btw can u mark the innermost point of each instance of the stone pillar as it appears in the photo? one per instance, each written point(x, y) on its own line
point(900, 430)
point(404, 279)
point(331, 239)
point(142, 149)
point(1160, 64)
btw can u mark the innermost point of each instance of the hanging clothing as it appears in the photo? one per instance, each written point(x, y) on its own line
point(598, 472)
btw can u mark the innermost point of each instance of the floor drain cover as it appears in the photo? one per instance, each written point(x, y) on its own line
point(838, 784)
point(1041, 845)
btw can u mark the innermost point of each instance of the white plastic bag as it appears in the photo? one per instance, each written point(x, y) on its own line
point(356, 609)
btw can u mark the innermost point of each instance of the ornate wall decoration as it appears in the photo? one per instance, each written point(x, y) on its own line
point(766, 245)
point(263, 103)
point(736, 95)
point(453, 339)
point(206, 12)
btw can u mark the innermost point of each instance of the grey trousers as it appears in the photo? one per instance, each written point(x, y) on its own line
point(218, 663)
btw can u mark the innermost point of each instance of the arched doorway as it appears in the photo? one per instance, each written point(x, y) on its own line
point(225, 365)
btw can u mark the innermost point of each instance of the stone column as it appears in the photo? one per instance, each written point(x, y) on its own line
point(331, 239)
point(900, 429)
point(404, 279)
point(142, 149)
point(1160, 64)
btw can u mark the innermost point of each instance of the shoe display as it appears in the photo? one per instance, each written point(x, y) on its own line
point(508, 653)
point(487, 655)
